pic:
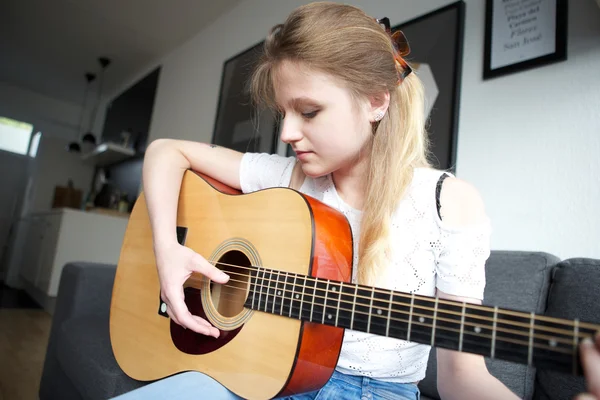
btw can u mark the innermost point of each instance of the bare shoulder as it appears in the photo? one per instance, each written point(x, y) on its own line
point(461, 203)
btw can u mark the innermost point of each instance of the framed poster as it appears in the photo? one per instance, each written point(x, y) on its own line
point(436, 43)
point(523, 34)
point(238, 125)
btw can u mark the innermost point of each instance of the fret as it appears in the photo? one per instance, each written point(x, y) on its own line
point(370, 310)
point(387, 325)
point(477, 332)
point(325, 302)
point(575, 344)
point(433, 321)
point(410, 315)
point(511, 336)
point(530, 345)
point(462, 326)
point(337, 311)
point(253, 286)
point(421, 313)
point(262, 285)
point(346, 312)
point(310, 295)
point(271, 281)
point(553, 345)
point(353, 306)
point(493, 352)
point(380, 306)
point(281, 285)
point(288, 295)
point(300, 315)
point(319, 300)
point(362, 307)
point(399, 314)
point(293, 295)
point(449, 325)
point(331, 309)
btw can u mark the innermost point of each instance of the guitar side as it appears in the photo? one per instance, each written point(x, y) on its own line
point(269, 355)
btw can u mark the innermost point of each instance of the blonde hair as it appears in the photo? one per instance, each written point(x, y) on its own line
point(343, 41)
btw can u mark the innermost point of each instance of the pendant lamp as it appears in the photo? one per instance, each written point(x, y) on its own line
point(74, 146)
point(89, 138)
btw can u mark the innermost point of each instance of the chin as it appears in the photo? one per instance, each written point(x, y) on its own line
point(315, 171)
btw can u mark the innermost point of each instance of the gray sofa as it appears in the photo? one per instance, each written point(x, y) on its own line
point(80, 365)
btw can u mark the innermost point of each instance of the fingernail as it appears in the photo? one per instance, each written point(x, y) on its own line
point(587, 342)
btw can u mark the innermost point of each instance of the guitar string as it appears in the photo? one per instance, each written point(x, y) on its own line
point(473, 316)
point(498, 338)
point(501, 329)
point(523, 315)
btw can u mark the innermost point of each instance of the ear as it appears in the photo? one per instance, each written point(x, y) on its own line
point(378, 105)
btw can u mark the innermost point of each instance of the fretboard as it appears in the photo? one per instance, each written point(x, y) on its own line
point(525, 338)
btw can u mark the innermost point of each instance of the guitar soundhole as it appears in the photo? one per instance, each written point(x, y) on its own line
point(229, 298)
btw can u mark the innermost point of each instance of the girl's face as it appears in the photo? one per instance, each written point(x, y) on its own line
point(325, 127)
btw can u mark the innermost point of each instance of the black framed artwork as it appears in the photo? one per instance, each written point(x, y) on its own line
point(523, 34)
point(238, 125)
point(436, 43)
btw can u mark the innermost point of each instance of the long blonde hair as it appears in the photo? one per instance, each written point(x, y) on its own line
point(343, 41)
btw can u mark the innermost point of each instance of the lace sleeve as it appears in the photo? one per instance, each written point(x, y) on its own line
point(460, 264)
point(262, 170)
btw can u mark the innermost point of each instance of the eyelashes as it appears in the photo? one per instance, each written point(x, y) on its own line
point(310, 115)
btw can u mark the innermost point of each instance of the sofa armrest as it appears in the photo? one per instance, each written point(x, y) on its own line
point(85, 289)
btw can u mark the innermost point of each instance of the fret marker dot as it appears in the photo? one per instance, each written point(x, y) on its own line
point(329, 316)
point(552, 343)
point(297, 296)
point(379, 312)
point(279, 293)
point(333, 289)
point(477, 329)
point(163, 307)
point(421, 319)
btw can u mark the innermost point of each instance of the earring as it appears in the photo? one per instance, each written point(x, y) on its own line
point(379, 115)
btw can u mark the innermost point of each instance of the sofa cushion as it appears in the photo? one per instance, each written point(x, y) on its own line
point(85, 353)
point(517, 280)
point(573, 294)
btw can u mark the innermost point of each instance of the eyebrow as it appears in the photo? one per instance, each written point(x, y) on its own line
point(303, 101)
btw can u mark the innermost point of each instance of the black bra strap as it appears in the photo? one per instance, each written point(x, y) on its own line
point(438, 190)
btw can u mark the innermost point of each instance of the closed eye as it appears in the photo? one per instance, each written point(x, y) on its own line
point(310, 115)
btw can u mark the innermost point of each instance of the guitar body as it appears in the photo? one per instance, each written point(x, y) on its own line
point(258, 355)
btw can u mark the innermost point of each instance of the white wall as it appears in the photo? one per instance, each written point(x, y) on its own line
point(51, 116)
point(529, 141)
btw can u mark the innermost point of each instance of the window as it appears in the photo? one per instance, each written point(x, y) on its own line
point(35, 142)
point(15, 135)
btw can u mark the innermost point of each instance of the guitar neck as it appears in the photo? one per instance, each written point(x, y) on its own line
point(525, 338)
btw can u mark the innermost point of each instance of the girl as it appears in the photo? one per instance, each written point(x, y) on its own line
point(353, 111)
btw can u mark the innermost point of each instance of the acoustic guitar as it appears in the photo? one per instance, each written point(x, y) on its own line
point(283, 313)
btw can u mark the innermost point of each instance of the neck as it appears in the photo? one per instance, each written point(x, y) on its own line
point(497, 333)
point(351, 182)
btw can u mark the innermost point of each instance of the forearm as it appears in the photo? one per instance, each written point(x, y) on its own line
point(479, 385)
point(162, 173)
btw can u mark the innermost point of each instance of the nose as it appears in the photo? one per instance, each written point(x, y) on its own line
point(290, 131)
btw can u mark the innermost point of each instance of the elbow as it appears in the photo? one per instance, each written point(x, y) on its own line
point(160, 144)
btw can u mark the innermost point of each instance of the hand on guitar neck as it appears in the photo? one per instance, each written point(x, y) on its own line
point(590, 356)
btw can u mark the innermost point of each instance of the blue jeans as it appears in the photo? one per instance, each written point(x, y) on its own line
point(195, 385)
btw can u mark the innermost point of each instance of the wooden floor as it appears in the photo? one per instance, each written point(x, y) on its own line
point(24, 336)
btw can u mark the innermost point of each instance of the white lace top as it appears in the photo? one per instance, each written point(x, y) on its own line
point(426, 254)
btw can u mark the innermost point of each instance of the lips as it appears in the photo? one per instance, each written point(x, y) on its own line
point(302, 154)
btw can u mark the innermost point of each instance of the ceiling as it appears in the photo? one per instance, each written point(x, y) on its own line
point(47, 46)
